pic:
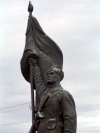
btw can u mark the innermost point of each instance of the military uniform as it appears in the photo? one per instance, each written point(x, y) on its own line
point(56, 110)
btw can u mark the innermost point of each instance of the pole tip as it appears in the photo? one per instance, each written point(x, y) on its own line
point(30, 7)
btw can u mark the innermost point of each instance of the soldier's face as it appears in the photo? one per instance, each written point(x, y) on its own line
point(52, 77)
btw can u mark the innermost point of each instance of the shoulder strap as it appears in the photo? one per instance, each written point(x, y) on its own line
point(53, 95)
point(50, 110)
point(46, 98)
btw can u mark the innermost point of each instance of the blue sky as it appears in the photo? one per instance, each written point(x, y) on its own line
point(75, 26)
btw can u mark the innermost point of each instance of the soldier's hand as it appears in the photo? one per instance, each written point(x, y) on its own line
point(33, 61)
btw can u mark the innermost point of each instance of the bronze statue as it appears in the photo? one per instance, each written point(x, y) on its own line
point(41, 65)
point(56, 112)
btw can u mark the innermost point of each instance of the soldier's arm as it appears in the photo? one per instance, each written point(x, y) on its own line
point(69, 113)
point(38, 79)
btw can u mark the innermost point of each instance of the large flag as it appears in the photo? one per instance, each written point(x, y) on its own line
point(41, 45)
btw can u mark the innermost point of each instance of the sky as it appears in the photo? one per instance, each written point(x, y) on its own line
point(75, 26)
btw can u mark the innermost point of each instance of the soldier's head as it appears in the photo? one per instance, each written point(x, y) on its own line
point(54, 75)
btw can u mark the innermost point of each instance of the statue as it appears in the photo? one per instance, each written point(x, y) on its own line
point(41, 66)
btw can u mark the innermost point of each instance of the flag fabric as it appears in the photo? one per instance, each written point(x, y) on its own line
point(42, 46)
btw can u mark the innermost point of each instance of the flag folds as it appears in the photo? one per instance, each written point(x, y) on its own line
point(42, 46)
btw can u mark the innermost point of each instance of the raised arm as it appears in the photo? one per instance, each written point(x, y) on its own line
point(38, 80)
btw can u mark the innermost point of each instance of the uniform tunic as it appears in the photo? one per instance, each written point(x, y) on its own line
point(57, 106)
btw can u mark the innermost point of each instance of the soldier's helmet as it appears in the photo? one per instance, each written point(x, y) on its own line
point(58, 71)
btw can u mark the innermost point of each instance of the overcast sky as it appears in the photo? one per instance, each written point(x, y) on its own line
point(75, 26)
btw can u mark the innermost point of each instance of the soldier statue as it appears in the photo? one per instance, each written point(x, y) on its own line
point(56, 112)
point(41, 66)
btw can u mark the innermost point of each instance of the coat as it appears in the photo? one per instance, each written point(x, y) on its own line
point(56, 108)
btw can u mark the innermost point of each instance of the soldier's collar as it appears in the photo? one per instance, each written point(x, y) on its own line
point(52, 90)
point(55, 89)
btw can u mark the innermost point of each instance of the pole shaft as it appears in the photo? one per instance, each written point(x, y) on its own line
point(32, 92)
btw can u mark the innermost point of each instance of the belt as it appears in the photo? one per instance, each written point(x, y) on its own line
point(51, 120)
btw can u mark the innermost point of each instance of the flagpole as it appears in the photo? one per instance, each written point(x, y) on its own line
point(30, 10)
point(32, 91)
